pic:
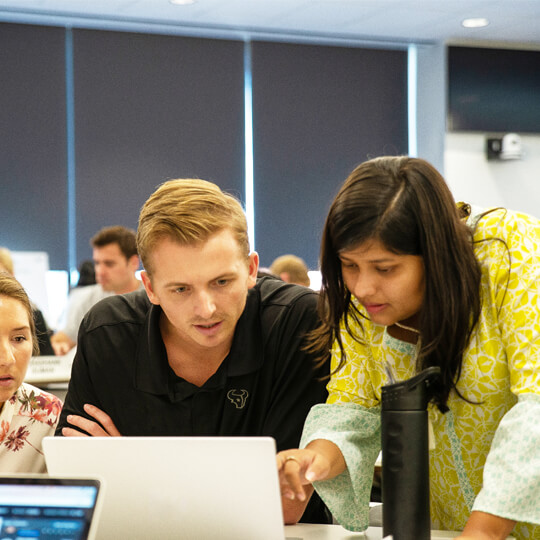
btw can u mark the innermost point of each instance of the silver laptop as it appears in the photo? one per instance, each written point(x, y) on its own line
point(178, 487)
point(38, 506)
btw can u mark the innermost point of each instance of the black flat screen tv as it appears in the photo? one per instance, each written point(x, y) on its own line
point(493, 90)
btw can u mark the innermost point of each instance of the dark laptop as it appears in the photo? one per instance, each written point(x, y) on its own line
point(37, 506)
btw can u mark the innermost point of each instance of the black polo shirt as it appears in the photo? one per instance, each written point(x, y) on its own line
point(265, 387)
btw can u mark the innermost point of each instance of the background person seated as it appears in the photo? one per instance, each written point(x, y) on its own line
point(291, 269)
point(27, 414)
point(87, 274)
point(115, 263)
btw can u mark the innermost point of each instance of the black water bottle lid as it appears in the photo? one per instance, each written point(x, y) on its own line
point(411, 394)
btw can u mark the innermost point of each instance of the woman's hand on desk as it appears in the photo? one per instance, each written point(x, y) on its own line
point(104, 427)
point(320, 460)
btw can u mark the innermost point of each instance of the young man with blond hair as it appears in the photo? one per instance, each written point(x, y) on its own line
point(206, 349)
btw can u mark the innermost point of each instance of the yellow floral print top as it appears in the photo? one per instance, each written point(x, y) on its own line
point(486, 455)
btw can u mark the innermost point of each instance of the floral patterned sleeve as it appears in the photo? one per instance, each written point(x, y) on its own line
point(511, 476)
point(26, 418)
point(511, 486)
point(351, 420)
point(356, 431)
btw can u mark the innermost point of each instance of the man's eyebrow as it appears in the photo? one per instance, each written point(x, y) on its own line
point(184, 283)
point(175, 284)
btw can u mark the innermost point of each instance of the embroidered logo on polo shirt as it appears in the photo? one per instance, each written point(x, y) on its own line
point(238, 397)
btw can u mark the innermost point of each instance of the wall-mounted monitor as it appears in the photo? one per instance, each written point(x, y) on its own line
point(493, 90)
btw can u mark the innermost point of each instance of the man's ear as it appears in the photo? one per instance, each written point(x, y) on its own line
point(148, 287)
point(134, 262)
point(253, 268)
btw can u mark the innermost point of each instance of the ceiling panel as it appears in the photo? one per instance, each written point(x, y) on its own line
point(400, 21)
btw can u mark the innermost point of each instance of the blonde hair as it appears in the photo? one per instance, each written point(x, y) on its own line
point(11, 288)
point(6, 261)
point(189, 211)
point(294, 266)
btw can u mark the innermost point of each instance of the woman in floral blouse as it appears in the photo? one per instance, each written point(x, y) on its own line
point(27, 414)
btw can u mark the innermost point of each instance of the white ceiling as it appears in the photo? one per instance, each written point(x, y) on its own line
point(512, 22)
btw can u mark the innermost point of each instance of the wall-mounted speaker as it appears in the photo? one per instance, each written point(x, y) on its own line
point(503, 148)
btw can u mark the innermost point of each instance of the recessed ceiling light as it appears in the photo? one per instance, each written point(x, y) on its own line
point(182, 2)
point(478, 22)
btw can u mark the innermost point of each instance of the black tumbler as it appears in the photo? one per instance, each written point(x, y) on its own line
point(405, 457)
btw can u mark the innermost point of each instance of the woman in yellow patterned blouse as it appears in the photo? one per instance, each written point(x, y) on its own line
point(412, 280)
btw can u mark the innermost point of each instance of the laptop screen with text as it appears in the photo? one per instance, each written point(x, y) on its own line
point(47, 508)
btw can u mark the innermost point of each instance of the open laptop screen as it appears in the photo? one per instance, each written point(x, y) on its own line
point(47, 508)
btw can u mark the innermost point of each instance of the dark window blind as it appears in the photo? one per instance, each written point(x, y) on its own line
point(33, 170)
point(149, 108)
point(318, 111)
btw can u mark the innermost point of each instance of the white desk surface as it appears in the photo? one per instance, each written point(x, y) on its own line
point(305, 531)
